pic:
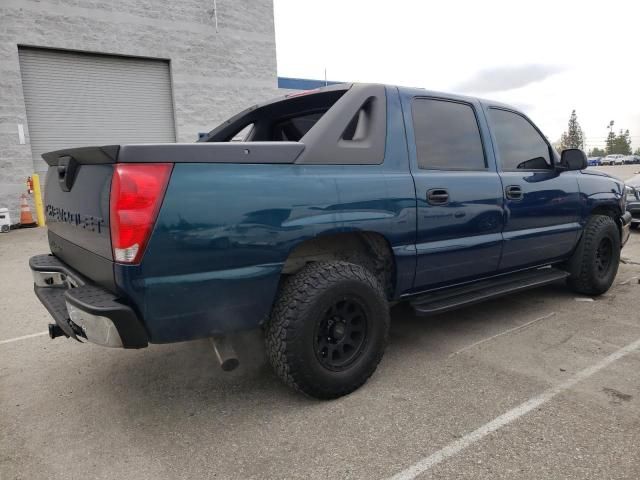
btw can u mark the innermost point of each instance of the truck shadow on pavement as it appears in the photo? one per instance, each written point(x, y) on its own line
point(178, 391)
point(186, 376)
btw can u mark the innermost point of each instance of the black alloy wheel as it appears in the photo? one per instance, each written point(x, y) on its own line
point(341, 334)
point(604, 254)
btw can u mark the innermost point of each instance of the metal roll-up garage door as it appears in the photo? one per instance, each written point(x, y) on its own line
point(79, 99)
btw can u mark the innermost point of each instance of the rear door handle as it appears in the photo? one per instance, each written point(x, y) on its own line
point(438, 196)
point(513, 192)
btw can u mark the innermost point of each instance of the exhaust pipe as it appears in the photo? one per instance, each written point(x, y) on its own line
point(225, 353)
point(55, 331)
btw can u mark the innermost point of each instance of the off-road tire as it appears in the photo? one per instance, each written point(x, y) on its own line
point(303, 304)
point(585, 275)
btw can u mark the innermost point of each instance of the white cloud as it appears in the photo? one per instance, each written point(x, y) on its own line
point(500, 79)
point(549, 56)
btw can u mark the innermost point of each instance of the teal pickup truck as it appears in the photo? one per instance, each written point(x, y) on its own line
point(335, 204)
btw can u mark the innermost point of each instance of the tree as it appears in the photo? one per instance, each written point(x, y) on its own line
point(597, 152)
point(621, 143)
point(627, 142)
point(637, 152)
point(611, 143)
point(573, 137)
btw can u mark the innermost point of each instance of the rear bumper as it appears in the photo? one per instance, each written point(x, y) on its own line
point(83, 310)
point(625, 222)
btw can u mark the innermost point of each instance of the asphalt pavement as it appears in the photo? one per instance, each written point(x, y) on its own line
point(541, 384)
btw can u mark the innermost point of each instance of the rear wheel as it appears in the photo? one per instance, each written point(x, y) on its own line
point(594, 264)
point(328, 329)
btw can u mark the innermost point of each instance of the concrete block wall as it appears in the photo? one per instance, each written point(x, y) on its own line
point(214, 74)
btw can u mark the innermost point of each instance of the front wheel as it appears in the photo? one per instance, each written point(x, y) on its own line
point(594, 264)
point(328, 329)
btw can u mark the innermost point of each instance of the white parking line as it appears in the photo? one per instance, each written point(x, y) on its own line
point(520, 327)
point(628, 281)
point(506, 418)
point(24, 337)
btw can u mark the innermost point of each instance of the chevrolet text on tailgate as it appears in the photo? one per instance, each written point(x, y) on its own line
point(336, 203)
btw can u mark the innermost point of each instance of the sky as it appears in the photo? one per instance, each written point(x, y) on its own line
point(546, 57)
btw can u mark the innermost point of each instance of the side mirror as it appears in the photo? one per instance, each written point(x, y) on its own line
point(573, 159)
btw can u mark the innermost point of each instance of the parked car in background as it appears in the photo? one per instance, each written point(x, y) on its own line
point(613, 159)
point(629, 159)
point(594, 161)
point(633, 200)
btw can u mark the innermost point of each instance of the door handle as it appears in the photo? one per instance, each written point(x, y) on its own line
point(437, 196)
point(513, 192)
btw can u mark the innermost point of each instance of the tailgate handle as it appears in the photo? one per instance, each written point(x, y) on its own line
point(67, 169)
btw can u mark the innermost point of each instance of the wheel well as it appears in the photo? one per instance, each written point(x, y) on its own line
point(368, 249)
point(609, 211)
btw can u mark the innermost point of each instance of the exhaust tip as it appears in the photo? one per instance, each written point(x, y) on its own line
point(55, 331)
point(230, 364)
point(225, 353)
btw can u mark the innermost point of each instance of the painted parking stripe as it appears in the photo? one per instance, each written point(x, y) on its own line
point(626, 282)
point(506, 418)
point(511, 330)
point(24, 337)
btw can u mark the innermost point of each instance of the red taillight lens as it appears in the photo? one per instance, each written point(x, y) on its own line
point(136, 194)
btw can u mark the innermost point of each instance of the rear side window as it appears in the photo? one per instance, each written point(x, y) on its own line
point(447, 135)
point(520, 145)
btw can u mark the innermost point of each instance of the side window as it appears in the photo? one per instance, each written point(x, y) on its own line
point(520, 146)
point(447, 135)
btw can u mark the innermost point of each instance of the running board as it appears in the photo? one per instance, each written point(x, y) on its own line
point(456, 297)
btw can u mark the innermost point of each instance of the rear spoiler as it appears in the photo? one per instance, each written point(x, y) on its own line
point(84, 155)
point(251, 152)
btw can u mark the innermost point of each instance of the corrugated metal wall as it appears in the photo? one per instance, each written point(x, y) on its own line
point(77, 99)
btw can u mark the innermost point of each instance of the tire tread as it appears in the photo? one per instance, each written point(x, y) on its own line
point(295, 297)
point(580, 265)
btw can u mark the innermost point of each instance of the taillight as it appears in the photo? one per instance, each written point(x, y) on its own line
point(136, 194)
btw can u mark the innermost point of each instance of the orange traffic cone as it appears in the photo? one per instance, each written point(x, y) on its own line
point(26, 219)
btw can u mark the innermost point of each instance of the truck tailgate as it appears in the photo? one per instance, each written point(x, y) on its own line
point(81, 215)
point(76, 197)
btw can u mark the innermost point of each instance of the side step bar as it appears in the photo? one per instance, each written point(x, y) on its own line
point(456, 297)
